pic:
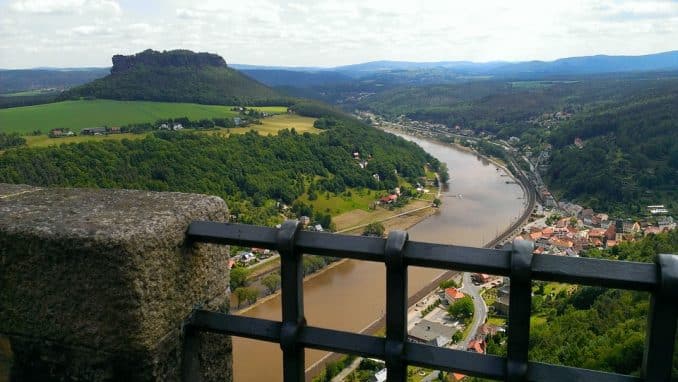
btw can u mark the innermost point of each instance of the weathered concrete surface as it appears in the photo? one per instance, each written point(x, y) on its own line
point(94, 284)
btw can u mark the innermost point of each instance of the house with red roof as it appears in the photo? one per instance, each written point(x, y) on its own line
point(477, 345)
point(481, 278)
point(453, 295)
point(388, 199)
point(535, 236)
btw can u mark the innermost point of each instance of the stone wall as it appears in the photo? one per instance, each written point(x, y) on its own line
point(95, 285)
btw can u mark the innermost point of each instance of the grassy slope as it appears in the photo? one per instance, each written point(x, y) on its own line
point(77, 115)
point(360, 199)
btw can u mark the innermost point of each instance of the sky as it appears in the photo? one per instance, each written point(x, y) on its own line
point(84, 33)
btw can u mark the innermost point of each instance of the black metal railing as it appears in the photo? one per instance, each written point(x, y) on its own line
point(397, 252)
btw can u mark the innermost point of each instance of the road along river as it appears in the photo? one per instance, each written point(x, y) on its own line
point(478, 205)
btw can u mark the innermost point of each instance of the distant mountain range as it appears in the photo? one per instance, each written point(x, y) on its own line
point(36, 79)
point(449, 71)
point(389, 72)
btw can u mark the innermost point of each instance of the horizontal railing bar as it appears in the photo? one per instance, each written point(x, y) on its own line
point(595, 272)
point(233, 234)
point(326, 244)
point(342, 342)
point(255, 328)
point(583, 271)
point(454, 257)
point(459, 361)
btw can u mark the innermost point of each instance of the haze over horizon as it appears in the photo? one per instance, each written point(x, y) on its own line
point(86, 33)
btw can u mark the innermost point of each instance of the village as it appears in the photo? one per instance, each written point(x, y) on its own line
point(571, 229)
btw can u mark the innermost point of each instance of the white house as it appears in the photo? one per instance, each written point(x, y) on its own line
point(380, 376)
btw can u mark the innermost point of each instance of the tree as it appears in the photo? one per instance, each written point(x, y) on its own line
point(239, 277)
point(271, 282)
point(448, 284)
point(10, 140)
point(462, 308)
point(552, 219)
point(246, 294)
point(437, 202)
point(374, 229)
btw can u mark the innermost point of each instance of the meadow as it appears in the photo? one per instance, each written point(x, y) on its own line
point(273, 124)
point(269, 125)
point(76, 115)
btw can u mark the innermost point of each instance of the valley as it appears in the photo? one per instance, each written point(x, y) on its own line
point(444, 150)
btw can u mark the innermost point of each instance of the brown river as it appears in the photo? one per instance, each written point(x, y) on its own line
point(478, 204)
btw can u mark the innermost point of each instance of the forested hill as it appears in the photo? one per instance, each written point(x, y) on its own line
point(629, 157)
point(176, 76)
point(629, 128)
point(251, 172)
point(497, 105)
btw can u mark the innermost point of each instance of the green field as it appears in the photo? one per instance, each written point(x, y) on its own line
point(272, 125)
point(76, 115)
point(269, 125)
point(360, 199)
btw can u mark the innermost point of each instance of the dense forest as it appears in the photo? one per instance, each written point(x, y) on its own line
point(629, 157)
point(496, 105)
point(10, 140)
point(176, 76)
point(628, 125)
point(250, 171)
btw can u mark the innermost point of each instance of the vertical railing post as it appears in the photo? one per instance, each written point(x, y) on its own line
point(291, 273)
point(396, 306)
point(661, 331)
point(520, 303)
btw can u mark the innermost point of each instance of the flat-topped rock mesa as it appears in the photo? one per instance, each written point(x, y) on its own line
point(181, 57)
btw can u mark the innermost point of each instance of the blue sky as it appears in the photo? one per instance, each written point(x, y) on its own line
point(69, 33)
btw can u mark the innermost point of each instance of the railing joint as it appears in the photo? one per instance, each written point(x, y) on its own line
point(661, 322)
point(396, 305)
point(520, 303)
point(293, 321)
point(668, 275)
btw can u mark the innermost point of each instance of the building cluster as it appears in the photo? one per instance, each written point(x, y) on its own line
point(583, 229)
point(62, 133)
point(549, 120)
point(173, 127)
point(251, 256)
point(306, 224)
point(362, 161)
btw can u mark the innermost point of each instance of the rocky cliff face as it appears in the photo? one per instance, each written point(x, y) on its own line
point(183, 58)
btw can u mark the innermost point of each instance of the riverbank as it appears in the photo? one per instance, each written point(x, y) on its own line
point(350, 296)
point(394, 220)
point(529, 194)
point(527, 208)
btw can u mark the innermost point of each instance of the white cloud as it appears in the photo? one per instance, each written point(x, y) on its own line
point(326, 33)
point(65, 6)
